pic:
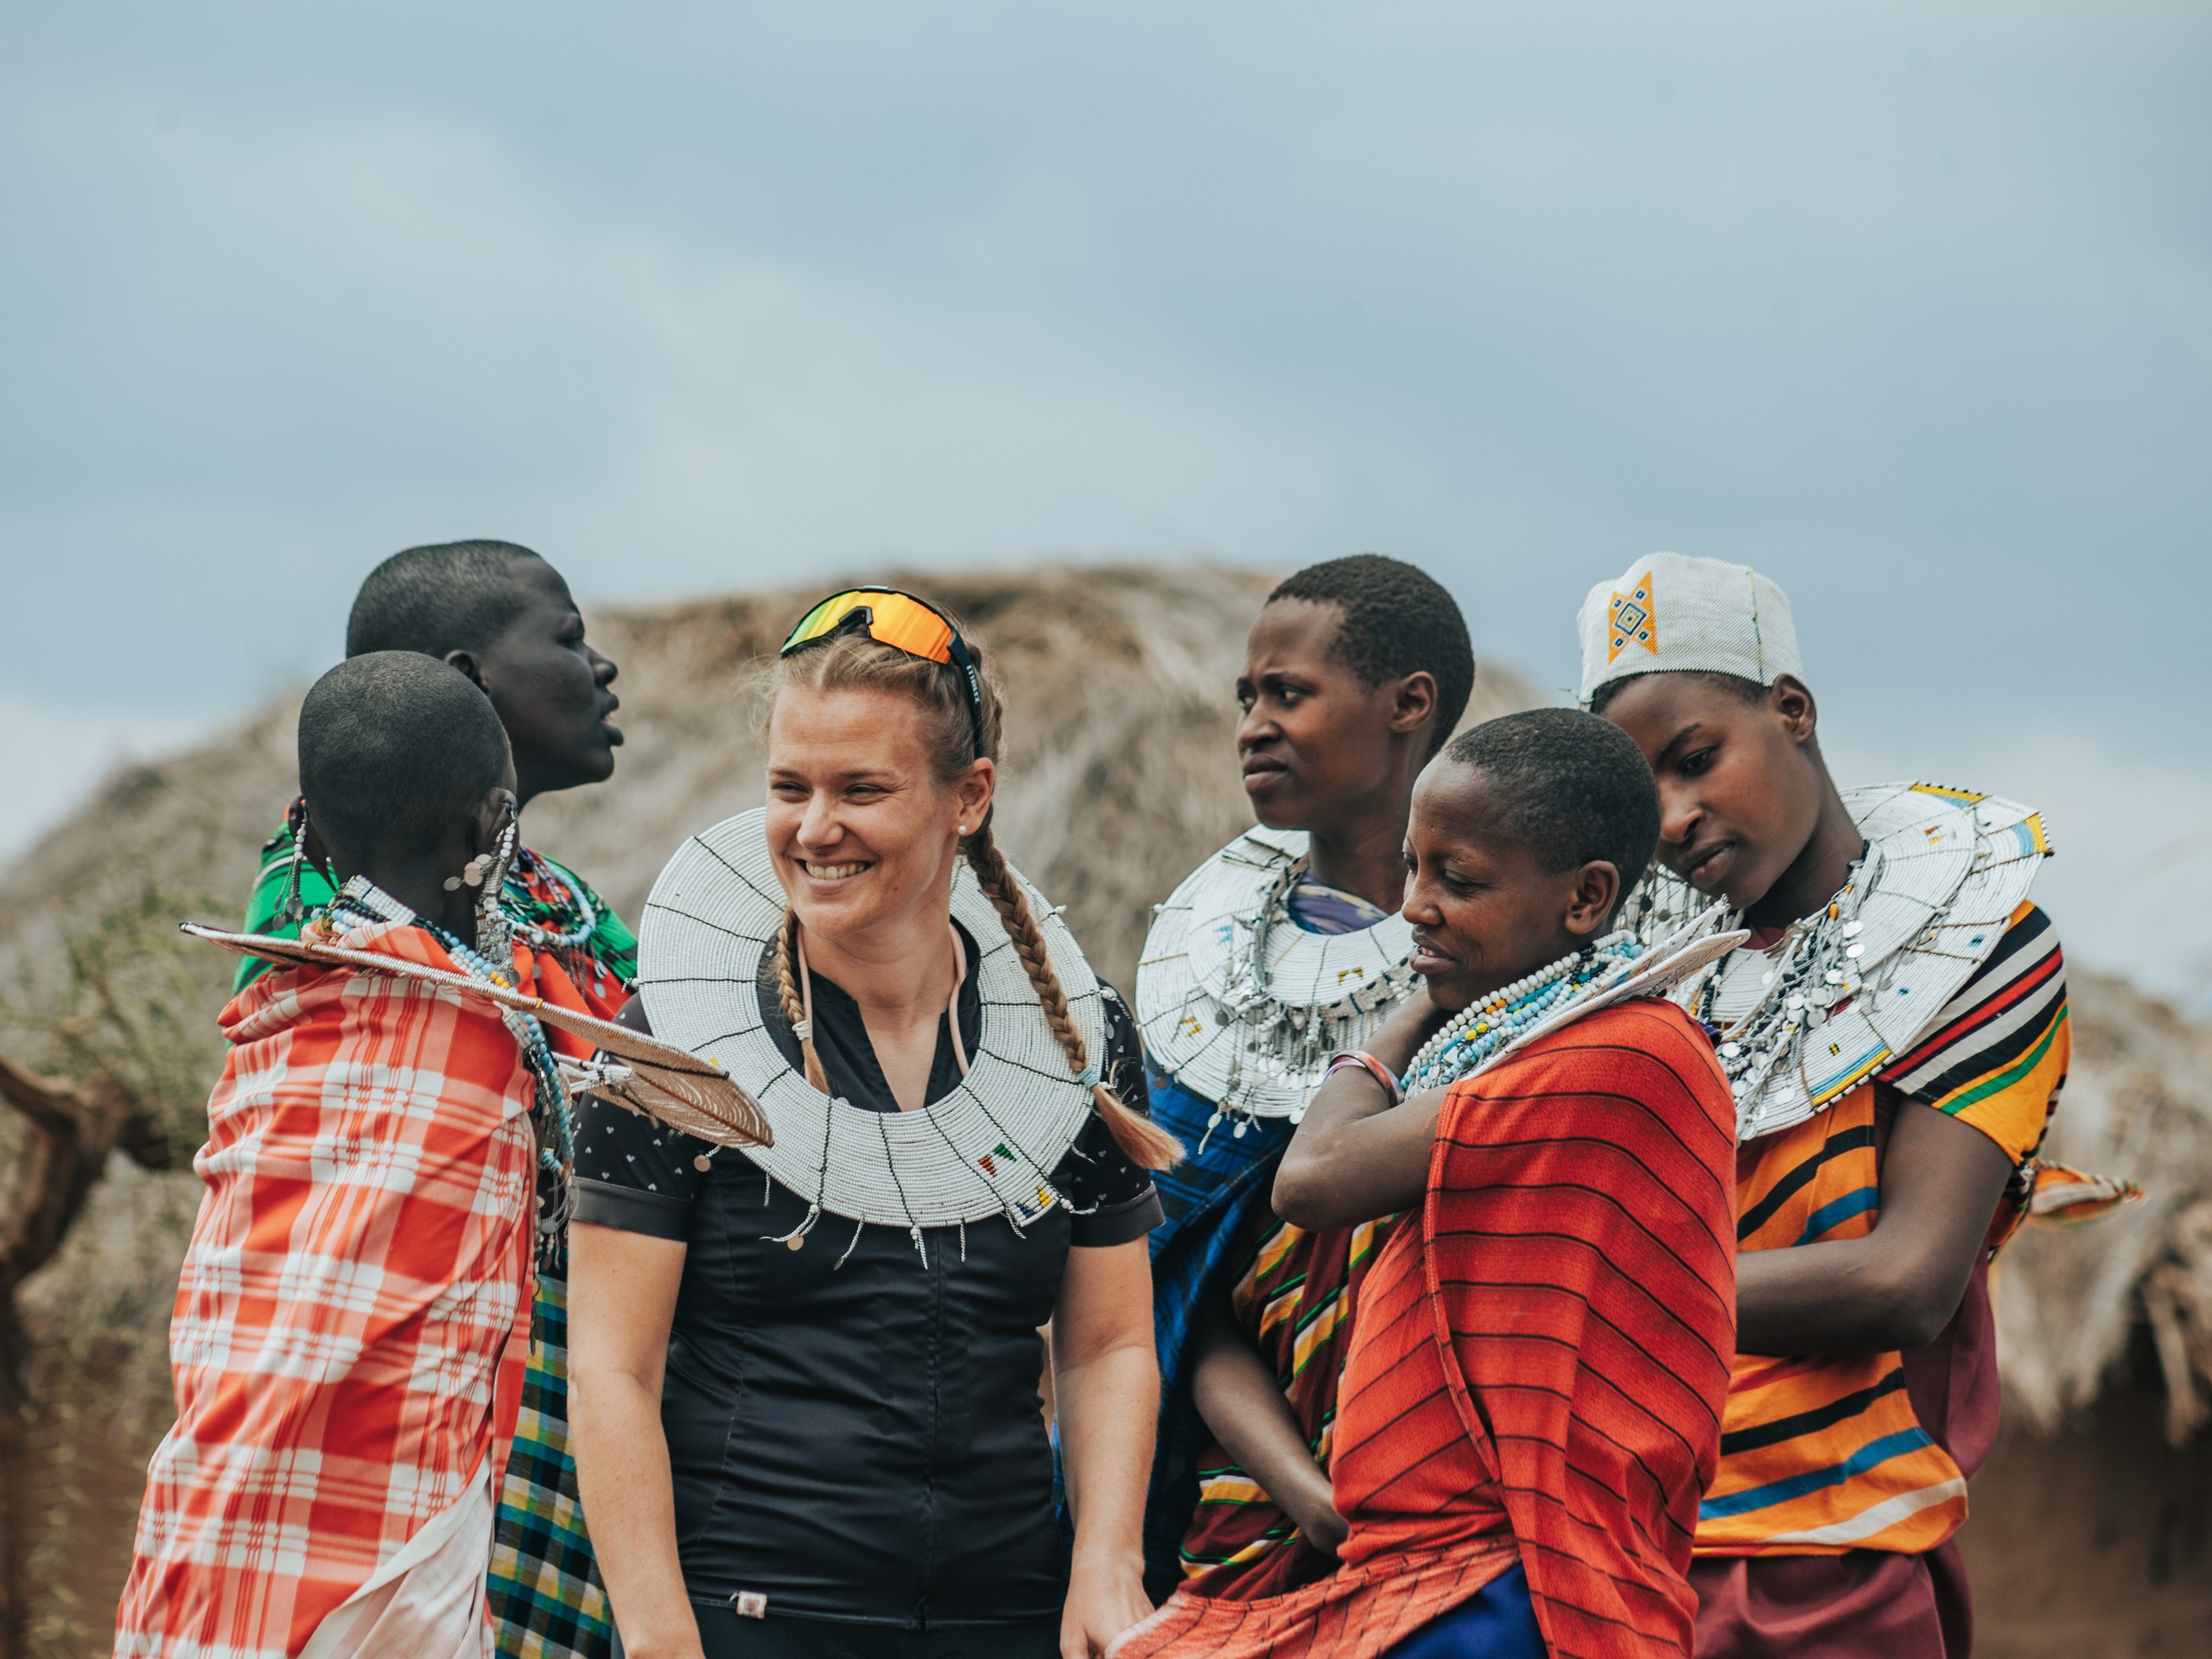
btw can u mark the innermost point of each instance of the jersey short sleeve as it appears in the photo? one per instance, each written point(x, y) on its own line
point(635, 1174)
point(1996, 1056)
point(1111, 1199)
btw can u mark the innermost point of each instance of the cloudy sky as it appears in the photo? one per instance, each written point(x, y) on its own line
point(1910, 307)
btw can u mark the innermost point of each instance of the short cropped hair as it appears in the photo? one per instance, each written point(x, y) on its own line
point(444, 597)
point(1749, 690)
point(395, 748)
point(1397, 620)
point(1576, 787)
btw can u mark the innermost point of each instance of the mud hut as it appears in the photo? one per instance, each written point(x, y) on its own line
point(2091, 1529)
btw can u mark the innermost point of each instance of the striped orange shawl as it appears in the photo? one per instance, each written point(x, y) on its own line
point(1539, 1370)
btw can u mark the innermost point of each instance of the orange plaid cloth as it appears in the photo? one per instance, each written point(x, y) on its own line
point(353, 1314)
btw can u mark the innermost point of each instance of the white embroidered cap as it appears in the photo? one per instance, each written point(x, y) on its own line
point(1673, 615)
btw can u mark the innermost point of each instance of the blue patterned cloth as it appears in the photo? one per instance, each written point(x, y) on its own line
point(546, 1600)
point(1225, 1177)
point(1208, 1196)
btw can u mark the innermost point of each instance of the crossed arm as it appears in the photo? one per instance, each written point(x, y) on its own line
point(1354, 1159)
point(1897, 1287)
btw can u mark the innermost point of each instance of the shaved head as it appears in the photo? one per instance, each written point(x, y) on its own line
point(1575, 788)
point(447, 596)
point(396, 749)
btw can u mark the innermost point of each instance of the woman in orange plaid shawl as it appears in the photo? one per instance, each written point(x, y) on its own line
point(354, 1315)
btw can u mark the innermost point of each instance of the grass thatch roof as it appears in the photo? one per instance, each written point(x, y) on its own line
point(1118, 781)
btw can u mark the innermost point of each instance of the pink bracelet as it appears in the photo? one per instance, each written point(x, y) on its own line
point(1367, 1063)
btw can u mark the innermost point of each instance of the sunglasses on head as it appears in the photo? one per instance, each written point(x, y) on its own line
point(902, 622)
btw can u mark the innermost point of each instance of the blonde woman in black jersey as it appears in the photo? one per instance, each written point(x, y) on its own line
point(804, 1427)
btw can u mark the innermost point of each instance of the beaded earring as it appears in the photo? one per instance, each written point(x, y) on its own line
point(471, 874)
point(494, 936)
point(293, 909)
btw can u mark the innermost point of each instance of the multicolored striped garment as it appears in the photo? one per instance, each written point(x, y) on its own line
point(1826, 1454)
point(352, 1316)
point(1293, 1294)
point(1214, 1199)
point(1537, 1371)
point(546, 1598)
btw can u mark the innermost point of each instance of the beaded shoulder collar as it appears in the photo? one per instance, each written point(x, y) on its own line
point(1823, 1009)
point(1242, 1006)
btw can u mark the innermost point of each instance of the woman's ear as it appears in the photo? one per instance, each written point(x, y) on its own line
point(1792, 699)
point(466, 662)
point(1597, 886)
point(976, 791)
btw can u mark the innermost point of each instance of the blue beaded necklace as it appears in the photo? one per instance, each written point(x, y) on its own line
point(1483, 1029)
point(362, 899)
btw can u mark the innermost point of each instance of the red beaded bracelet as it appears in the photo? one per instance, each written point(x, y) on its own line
point(1367, 1063)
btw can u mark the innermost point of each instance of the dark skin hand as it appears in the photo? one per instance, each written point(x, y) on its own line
point(1485, 912)
point(549, 687)
point(1749, 813)
point(1236, 1394)
point(1322, 752)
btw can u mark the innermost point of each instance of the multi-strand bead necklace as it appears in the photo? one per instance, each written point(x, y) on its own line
point(555, 1134)
point(1817, 969)
point(1482, 1029)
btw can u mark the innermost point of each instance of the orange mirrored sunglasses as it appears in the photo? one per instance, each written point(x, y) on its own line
point(899, 619)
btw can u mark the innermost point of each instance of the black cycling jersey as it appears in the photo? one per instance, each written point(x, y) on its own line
point(854, 1434)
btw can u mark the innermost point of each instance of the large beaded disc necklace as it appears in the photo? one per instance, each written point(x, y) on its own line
point(986, 1148)
point(1482, 1030)
point(1814, 967)
point(1242, 1006)
point(1804, 1021)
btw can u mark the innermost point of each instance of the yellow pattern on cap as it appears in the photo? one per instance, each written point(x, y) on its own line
point(1634, 617)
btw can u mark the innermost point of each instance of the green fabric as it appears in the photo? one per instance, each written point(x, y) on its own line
point(268, 898)
point(530, 898)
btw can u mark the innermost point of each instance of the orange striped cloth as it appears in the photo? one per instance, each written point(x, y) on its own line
point(1826, 1454)
point(352, 1321)
point(1537, 1371)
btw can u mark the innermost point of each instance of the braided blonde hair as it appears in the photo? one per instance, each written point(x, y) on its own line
point(853, 661)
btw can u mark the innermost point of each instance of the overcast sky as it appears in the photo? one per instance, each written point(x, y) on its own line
point(1910, 307)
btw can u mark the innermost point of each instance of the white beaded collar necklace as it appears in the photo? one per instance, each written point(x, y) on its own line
point(987, 1148)
point(1804, 1021)
point(1241, 1005)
